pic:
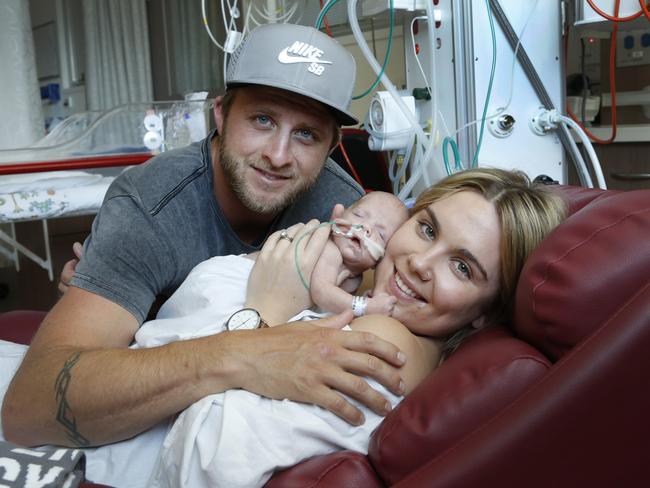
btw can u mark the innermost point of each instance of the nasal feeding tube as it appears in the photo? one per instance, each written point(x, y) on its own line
point(358, 230)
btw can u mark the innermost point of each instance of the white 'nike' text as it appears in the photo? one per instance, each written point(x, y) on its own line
point(286, 58)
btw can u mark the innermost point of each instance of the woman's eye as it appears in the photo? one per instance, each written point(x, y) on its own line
point(427, 231)
point(463, 269)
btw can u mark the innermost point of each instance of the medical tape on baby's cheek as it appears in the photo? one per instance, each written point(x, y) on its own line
point(357, 230)
point(376, 250)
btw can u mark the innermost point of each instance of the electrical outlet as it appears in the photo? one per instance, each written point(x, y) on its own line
point(633, 48)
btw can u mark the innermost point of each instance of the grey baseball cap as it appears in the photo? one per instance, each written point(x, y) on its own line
point(299, 59)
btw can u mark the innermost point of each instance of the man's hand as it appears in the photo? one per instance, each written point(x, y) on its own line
point(312, 362)
point(275, 288)
point(69, 268)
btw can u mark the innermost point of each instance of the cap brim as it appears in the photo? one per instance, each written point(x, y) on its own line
point(343, 118)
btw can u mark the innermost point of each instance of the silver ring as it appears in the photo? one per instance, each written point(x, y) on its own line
point(285, 235)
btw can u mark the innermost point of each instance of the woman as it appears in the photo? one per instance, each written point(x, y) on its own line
point(452, 268)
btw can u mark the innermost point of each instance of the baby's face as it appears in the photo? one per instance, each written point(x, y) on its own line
point(380, 214)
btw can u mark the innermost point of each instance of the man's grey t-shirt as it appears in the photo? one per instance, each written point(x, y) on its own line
point(161, 219)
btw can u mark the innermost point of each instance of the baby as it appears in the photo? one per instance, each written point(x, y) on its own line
point(357, 242)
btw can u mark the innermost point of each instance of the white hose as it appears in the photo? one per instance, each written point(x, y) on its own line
point(367, 53)
point(363, 46)
point(581, 166)
point(207, 26)
point(415, 176)
point(433, 91)
point(595, 163)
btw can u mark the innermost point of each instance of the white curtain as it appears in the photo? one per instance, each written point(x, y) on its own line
point(118, 64)
point(196, 63)
point(21, 113)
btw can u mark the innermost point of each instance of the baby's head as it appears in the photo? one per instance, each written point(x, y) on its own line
point(362, 230)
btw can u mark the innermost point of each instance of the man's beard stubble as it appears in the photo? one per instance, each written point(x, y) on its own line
point(234, 172)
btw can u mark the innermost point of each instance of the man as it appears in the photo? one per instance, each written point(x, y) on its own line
point(289, 89)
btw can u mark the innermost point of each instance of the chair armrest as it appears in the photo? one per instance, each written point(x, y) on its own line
point(343, 469)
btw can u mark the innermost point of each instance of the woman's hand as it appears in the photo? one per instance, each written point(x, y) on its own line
point(275, 288)
point(69, 268)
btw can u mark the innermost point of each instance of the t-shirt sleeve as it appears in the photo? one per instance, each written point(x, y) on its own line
point(124, 257)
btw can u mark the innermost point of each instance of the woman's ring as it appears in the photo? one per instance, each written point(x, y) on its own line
point(285, 235)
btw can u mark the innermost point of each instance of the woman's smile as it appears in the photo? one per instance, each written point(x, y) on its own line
point(406, 290)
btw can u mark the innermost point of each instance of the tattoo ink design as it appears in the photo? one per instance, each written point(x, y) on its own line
point(64, 414)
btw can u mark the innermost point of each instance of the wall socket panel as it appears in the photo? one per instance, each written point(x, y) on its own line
point(633, 48)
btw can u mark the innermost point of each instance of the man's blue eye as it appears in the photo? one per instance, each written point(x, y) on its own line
point(263, 119)
point(305, 134)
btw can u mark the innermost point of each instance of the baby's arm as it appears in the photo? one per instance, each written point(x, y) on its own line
point(351, 284)
point(323, 286)
point(326, 290)
point(334, 299)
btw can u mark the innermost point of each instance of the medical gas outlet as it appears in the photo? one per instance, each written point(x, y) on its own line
point(543, 121)
point(502, 126)
point(389, 127)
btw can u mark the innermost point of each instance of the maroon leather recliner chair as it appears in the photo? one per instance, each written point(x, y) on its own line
point(561, 397)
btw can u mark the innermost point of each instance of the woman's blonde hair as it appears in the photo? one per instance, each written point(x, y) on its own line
point(527, 212)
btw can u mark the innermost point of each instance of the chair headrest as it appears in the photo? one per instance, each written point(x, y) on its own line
point(585, 271)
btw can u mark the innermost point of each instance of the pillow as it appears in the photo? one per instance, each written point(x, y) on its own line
point(584, 272)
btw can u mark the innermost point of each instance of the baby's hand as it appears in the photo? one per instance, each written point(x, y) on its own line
point(382, 303)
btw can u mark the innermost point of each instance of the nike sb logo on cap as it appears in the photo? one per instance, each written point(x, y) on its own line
point(301, 52)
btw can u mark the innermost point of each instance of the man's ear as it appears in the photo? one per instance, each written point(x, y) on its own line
point(337, 211)
point(218, 115)
point(479, 323)
point(336, 140)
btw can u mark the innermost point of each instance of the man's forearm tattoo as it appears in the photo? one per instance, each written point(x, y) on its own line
point(64, 414)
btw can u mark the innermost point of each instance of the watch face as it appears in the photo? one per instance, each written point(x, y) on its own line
point(246, 318)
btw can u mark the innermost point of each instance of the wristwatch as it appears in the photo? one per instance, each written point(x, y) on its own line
point(246, 318)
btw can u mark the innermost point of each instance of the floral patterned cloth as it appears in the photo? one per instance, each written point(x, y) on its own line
point(53, 200)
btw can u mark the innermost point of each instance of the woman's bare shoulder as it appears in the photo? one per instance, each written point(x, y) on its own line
point(422, 353)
